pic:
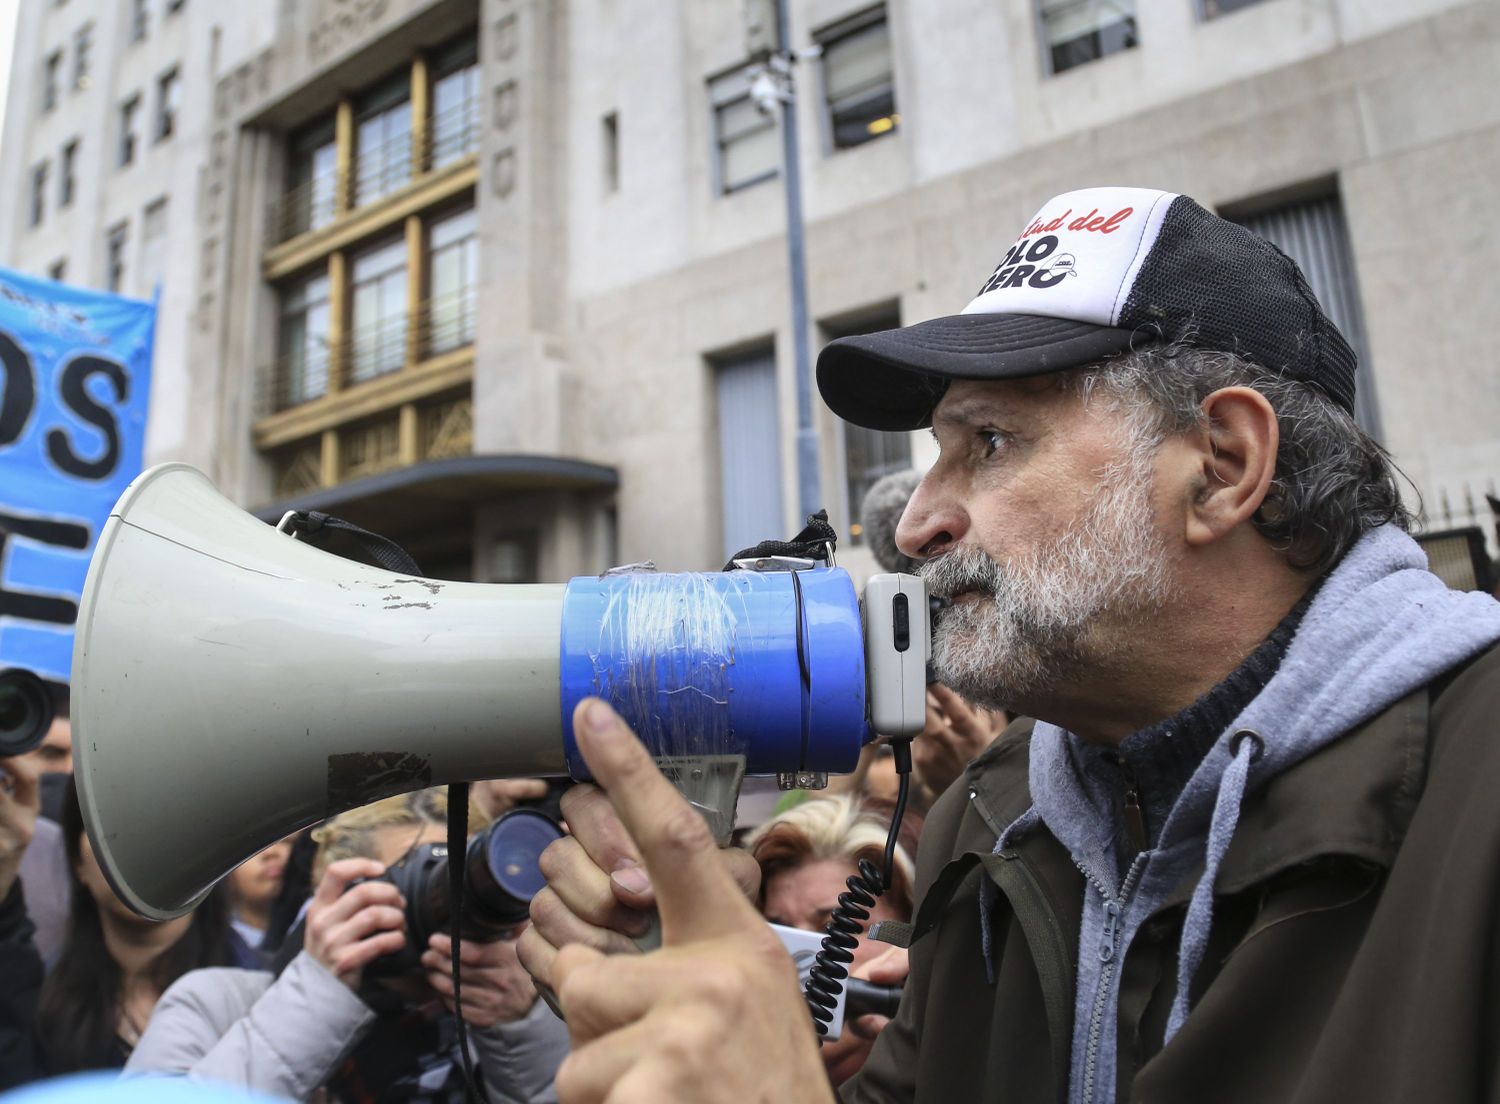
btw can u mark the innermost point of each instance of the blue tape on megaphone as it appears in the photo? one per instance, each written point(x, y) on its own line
point(709, 664)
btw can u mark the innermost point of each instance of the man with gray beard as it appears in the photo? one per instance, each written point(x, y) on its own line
point(1249, 850)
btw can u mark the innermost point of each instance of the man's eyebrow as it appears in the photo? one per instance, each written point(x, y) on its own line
point(967, 411)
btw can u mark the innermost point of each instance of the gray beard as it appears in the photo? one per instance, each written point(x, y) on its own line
point(1056, 610)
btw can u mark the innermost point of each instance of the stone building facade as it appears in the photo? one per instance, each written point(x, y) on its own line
point(506, 278)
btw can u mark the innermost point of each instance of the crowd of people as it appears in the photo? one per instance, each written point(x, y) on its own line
point(1204, 808)
point(294, 976)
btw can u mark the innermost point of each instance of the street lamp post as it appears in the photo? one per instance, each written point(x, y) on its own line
point(773, 89)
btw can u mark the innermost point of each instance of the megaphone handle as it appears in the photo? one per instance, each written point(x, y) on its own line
point(715, 784)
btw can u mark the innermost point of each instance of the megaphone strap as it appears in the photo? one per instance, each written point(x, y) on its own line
point(313, 525)
point(816, 542)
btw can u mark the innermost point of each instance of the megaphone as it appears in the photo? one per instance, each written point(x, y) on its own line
point(232, 684)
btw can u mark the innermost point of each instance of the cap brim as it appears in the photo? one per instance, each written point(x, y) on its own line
point(892, 379)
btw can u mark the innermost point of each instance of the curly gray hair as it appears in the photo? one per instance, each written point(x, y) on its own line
point(1333, 482)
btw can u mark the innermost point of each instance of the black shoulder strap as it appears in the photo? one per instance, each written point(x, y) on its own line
point(1022, 895)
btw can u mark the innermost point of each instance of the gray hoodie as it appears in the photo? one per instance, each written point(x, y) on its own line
point(287, 1035)
point(1380, 626)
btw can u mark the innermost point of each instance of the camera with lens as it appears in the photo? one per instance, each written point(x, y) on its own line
point(502, 873)
point(25, 711)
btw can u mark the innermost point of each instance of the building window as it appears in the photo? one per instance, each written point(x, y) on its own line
point(1315, 235)
point(377, 311)
point(311, 198)
point(129, 110)
point(83, 41)
point(1079, 31)
point(114, 256)
point(168, 96)
point(611, 152)
point(67, 173)
point(38, 194)
point(139, 18)
point(859, 87)
point(453, 275)
point(455, 102)
point(382, 142)
point(1212, 9)
point(58, 270)
point(302, 362)
point(745, 145)
point(153, 243)
point(51, 75)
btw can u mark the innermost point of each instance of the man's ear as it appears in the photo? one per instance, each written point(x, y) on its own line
point(1237, 459)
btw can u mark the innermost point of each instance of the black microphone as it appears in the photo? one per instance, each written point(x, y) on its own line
point(865, 998)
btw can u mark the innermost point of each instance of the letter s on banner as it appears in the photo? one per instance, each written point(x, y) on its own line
point(73, 402)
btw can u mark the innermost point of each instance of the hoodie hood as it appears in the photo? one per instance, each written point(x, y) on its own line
point(1380, 626)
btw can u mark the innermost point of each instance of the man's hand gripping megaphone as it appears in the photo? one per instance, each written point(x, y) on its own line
point(716, 1013)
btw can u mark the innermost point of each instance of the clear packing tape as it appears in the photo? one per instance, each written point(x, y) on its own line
point(667, 648)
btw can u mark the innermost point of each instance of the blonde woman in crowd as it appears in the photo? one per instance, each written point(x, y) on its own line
point(806, 855)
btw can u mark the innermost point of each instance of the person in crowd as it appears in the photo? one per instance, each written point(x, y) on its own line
point(54, 755)
point(115, 965)
point(254, 886)
point(322, 1024)
point(956, 733)
point(807, 856)
point(20, 962)
point(497, 796)
point(44, 867)
point(296, 888)
point(1246, 850)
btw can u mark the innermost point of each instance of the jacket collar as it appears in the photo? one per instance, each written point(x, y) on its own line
point(1353, 798)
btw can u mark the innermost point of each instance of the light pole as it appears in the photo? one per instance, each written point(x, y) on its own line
point(767, 35)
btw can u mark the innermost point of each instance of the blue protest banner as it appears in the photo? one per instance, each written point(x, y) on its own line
point(75, 379)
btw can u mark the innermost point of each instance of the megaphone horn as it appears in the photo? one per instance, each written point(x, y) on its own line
point(232, 684)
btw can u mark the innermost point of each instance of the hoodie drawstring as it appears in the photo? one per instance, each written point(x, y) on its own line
point(1245, 746)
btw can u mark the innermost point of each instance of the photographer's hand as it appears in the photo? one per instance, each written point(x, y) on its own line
point(716, 1014)
point(598, 893)
point(346, 931)
point(496, 989)
point(20, 802)
point(955, 734)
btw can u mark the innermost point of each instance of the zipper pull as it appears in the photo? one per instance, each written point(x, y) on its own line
point(1135, 823)
point(1111, 930)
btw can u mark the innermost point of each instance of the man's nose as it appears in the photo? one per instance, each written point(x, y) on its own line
point(931, 523)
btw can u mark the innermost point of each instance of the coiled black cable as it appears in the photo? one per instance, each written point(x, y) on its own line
point(825, 981)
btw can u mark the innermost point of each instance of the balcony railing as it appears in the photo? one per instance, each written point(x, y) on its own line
point(373, 173)
point(443, 324)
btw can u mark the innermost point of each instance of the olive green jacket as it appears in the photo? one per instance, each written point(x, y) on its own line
point(1355, 952)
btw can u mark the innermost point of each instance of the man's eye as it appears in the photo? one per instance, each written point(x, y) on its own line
point(991, 441)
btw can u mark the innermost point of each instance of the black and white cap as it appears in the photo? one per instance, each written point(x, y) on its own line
point(1096, 272)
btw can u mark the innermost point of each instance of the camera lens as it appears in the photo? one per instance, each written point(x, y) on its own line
point(25, 711)
point(515, 847)
point(504, 868)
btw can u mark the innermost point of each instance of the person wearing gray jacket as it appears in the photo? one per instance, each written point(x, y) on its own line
point(290, 1035)
point(321, 1028)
